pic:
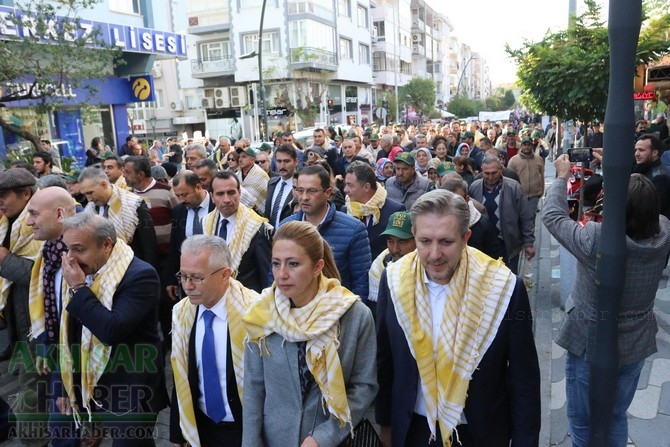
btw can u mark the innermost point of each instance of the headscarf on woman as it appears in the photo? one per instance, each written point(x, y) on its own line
point(422, 169)
point(379, 169)
point(458, 150)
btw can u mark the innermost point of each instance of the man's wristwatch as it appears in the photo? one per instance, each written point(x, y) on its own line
point(75, 288)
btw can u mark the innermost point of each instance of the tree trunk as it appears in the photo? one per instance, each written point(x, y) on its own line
point(9, 127)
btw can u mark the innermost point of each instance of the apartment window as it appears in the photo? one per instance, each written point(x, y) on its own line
point(310, 33)
point(381, 30)
point(159, 98)
point(344, 8)
point(215, 51)
point(362, 17)
point(270, 43)
point(345, 49)
point(363, 54)
point(127, 6)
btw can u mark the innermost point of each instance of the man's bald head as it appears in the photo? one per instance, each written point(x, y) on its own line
point(46, 211)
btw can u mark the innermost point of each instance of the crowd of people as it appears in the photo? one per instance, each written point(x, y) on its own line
point(300, 291)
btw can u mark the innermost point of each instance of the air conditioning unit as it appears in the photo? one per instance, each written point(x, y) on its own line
point(221, 98)
point(373, 32)
point(238, 96)
point(207, 103)
point(416, 38)
point(177, 106)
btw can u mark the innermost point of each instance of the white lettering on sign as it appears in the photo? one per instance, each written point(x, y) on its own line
point(351, 99)
point(55, 90)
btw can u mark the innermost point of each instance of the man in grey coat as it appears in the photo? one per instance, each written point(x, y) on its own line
point(507, 209)
point(407, 185)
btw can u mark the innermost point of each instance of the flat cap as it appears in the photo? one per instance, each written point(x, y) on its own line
point(16, 178)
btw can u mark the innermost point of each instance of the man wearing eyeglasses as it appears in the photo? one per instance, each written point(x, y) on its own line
point(208, 348)
point(345, 234)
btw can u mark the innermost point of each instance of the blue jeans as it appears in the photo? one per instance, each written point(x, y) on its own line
point(577, 373)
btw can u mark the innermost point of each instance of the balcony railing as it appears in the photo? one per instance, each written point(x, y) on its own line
point(212, 66)
point(313, 58)
point(307, 7)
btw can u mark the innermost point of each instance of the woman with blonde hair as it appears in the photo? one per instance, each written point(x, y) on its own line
point(310, 372)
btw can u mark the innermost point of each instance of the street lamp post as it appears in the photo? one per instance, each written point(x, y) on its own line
point(152, 123)
point(458, 87)
point(261, 85)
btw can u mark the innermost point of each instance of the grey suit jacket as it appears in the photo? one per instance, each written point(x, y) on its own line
point(273, 410)
point(645, 261)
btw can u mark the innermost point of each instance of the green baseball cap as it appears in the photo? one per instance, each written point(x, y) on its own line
point(399, 225)
point(535, 134)
point(527, 140)
point(247, 150)
point(72, 176)
point(374, 137)
point(468, 135)
point(445, 168)
point(265, 147)
point(405, 157)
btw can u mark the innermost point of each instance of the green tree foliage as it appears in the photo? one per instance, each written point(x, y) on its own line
point(422, 95)
point(567, 73)
point(508, 100)
point(55, 56)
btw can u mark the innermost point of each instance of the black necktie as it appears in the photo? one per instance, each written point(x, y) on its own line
point(277, 204)
point(223, 230)
point(197, 224)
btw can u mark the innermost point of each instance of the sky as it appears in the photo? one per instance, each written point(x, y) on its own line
point(486, 25)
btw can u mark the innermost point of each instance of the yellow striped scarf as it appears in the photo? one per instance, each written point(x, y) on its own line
point(122, 212)
point(21, 243)
point(238, 298)
point(121, 184)
point(247, 224)
point(479, 293)
point(94, 354)
point(317, 323)
point(371, 208)
point(256, 183)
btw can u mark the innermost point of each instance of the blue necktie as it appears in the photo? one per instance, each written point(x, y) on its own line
point(214, 405)
point(277, 205)
point(197, 224)
point(223, 231)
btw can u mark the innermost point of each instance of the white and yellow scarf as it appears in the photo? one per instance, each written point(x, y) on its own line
point(316, 323)
point(256, 183)
point(94, 354)
point(247, 224)
point(479, 293)
point(121, 184)
point(122, 212)
point(21, 243)
point(238, 299)
point(371, 208)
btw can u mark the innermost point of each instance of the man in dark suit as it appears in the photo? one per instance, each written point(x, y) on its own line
point(186, 221)
point(208, 349)
point(127, 211)
point(367, 201)
point(110, 322)
point(280, 188)
point(480, 379)
point(247, 234)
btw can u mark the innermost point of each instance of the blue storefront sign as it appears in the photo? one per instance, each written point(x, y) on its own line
point(127, 38)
